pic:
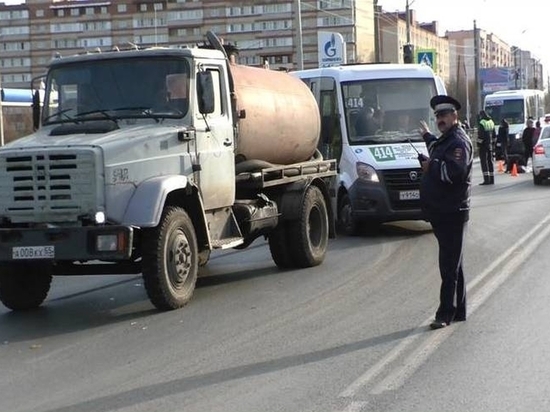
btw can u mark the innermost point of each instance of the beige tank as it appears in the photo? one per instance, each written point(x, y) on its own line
point(282, 122)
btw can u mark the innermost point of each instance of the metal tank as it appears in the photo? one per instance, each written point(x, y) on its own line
point(282, 122)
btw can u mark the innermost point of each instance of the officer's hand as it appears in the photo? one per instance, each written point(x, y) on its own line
point(424, 162)
point(423, 128)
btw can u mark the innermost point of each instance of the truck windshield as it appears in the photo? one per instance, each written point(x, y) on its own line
point(387, 110)
point(151, 87)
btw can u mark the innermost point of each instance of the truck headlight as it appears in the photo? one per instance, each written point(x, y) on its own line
point(111, 241)
point(106, 243)
point(366, 172)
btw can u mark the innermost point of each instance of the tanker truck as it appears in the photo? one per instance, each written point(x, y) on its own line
point(145, 160)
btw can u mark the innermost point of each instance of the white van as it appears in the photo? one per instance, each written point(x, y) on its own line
point(369, 122)
point(516, 106)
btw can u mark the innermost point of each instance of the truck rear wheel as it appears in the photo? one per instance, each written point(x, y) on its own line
point(308, 237)
point(170, 260)
point(24, 286)
point(279, 246)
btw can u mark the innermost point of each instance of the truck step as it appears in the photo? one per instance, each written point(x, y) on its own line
point(227, 243)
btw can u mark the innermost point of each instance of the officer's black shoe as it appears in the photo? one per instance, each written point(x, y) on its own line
point(460, 316)
point(438, 324)
point(484, 183)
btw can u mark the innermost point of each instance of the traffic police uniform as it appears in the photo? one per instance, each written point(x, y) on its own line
point(486, 137)
point(445, 202)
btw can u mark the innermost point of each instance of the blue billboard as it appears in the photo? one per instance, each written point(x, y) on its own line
point(494, 79)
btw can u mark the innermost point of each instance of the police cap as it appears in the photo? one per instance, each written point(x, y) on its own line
point(444, 103)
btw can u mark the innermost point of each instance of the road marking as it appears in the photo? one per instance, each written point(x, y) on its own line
point(355, 407)
point(507, 263)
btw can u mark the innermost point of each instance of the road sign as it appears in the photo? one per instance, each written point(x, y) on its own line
point(427, 57)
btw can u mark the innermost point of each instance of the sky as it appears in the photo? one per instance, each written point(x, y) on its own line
point(525, 23)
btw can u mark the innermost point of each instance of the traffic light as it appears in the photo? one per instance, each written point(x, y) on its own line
point(408, 53)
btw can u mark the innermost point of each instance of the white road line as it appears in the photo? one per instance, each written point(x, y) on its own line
point(355, 407)
point(507, 263)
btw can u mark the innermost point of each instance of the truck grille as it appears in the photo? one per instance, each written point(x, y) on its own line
point(397, 181)
point(47, 185)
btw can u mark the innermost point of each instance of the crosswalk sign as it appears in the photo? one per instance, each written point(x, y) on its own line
point(427, 57)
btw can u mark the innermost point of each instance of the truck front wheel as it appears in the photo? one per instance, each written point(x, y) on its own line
point(24, 286)
point(308, 237)
point(170, 260)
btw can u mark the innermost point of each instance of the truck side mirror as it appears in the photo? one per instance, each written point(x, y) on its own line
point(205, 92)
point(36, 110)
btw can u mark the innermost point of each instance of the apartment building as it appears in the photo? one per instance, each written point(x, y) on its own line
point(394, 33)
point(493, 52)
point(264, 31)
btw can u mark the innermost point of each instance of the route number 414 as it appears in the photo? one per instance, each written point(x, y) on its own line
point(383, 153)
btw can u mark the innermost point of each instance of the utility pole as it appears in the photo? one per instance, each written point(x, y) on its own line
point(408, 48)
point(299, 44)
point(476, 67)
point(408, 22)
point(376, 32)
point(1, 116)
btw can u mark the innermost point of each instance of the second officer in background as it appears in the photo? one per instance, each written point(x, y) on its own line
point(486, 138)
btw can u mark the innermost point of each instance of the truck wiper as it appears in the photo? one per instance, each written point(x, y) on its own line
point(97, 111)
point(59, 113)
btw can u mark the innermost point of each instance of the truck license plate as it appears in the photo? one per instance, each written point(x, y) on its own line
point(33, 252)
point(409, 195)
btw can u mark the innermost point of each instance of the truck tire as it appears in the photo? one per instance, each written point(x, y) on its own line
point(347, 222)
point(24, 287)
point(170, 260)
point(279, 246)
point(308, 237)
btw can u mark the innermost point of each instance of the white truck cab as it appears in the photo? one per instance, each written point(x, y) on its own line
point(370, 115)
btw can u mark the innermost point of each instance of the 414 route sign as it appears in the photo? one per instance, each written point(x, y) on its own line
point(427, 57)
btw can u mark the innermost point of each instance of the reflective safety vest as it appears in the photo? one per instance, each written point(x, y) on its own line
point(485, 137)
point(487, 124)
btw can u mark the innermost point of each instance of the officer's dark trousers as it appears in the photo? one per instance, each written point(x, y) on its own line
point(450, 237)
point(486, 161)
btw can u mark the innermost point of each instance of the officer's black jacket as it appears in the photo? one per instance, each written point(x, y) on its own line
point(445, 187)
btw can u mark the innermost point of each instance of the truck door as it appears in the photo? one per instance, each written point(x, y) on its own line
point(215, 145)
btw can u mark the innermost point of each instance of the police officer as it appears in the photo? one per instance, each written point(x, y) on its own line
point(445, 201)
point(486, 136)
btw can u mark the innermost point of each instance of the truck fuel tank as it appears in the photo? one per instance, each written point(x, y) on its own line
point(281, 123)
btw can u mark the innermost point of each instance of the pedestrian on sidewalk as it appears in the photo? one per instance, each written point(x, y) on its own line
point(445, 202)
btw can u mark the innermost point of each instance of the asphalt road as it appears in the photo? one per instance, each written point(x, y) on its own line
point(349, 335)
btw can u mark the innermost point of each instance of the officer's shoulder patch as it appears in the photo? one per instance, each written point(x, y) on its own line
point(458, 153)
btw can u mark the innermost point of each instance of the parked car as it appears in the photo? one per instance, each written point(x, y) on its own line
point(541, 157)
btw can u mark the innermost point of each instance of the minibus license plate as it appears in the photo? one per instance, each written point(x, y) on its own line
point(409, 195)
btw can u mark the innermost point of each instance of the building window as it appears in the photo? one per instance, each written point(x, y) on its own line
point(121, 8)
point(143, 7)
point(60, 13)
point(39, 13)
point(75, 12)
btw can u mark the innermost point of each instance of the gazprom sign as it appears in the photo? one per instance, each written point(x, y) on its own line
point(332, 49)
